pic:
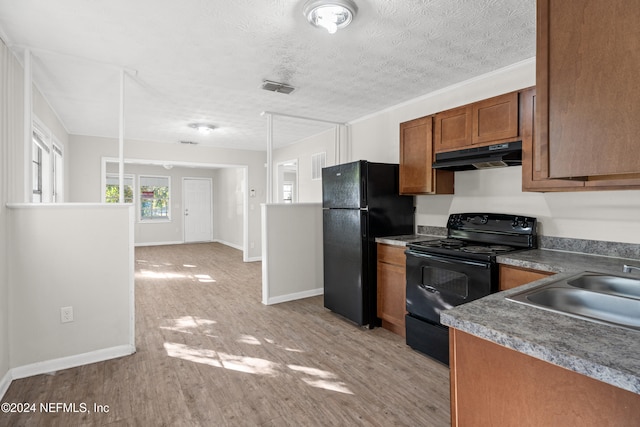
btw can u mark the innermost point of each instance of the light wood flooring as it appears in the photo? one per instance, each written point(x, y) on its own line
point(210, 354)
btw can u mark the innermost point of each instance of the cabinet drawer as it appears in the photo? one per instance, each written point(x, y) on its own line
point(512, 277)
point(392, 254)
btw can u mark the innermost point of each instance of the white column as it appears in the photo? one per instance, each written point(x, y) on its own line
point(269, 158)
point(28, 123)
point(121, 140)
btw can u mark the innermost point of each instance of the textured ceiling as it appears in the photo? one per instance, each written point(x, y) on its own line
point(205, 60)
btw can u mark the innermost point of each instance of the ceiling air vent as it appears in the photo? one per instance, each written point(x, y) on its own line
point(277, 87)
point(188, 142)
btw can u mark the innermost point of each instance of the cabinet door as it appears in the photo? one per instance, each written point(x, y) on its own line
point(392, 287)
point(495, 119)
point(416, 157)
point(535, 156)
point(492, 385)
point(453, 129)
point(587, 69)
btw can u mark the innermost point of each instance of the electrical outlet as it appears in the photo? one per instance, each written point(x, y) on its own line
point(66, 314)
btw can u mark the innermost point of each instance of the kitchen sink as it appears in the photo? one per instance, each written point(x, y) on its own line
point(614, 285)
point(607, 299)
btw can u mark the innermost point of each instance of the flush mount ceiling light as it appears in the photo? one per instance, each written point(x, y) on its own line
point(330, 14)
point(203, 128)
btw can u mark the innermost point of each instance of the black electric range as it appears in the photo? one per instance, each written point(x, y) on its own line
point(444, 273)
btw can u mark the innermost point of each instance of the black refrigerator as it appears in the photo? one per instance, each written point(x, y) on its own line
point(360, 202)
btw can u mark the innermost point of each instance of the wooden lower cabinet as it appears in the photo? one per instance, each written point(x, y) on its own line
point(392, 287)
point(512, 277)
point(492, 385)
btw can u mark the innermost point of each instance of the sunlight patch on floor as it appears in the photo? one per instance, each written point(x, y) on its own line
point(159, 275)
point(313, 377)
point(248, 339)
point(188, 324)
point(249, 365)
point(204, 278)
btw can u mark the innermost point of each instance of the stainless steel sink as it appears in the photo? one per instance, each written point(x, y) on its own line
point(607, 299)
point(614, 285)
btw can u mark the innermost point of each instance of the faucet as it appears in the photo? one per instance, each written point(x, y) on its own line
point(627, 268)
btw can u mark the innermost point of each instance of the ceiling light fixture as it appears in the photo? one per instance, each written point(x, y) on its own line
point(330, 14)
point(203, 128)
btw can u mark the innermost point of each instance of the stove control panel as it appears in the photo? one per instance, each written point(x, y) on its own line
point(483, 222)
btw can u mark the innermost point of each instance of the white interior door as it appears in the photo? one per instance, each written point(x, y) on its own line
point(198, 218)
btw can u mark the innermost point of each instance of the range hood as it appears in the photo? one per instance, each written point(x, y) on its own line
point(492, 156)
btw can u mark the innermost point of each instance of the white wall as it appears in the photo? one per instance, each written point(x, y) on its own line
point(6, 64)
point(292, 267)
point(69, 255)
point(87, 152)
point(229, 203)
point(12, 180)
point(594, 215)
point(309, 190)
point(165, 232)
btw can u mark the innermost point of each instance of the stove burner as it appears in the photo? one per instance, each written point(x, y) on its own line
point(451, 243)
point(501, 248)
point(477, 249)
point(443, 243)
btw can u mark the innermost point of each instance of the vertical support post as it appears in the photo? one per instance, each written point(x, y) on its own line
point(338, 145)
point(270, 158)
point(121, 140)
point(28, 126)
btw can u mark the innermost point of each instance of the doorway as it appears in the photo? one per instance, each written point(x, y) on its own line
point(198, 218)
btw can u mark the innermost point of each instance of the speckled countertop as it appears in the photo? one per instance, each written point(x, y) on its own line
point(606, 353)
point(561, 262)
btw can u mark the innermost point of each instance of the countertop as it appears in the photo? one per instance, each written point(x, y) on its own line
point(605, 353)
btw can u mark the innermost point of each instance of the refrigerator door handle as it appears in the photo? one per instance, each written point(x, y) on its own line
point(363, 224)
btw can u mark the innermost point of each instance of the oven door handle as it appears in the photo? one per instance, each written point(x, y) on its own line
point(449, 260)
point(429, 288)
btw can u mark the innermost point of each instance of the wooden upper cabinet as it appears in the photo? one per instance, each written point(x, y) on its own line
point(416, 157)
point(495, 119)
point(535, 155)
point(453, 129)
point(487, 122)
point(587, 103)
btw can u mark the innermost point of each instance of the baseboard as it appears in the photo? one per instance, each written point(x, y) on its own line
point(159, 243)
point(71, 361)
point(295, 296)
point(5, 382)
point(232, 245)
point(253, 259)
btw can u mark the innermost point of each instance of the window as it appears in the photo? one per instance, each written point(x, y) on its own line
point(40, 174)
point(112, 189)
point(287, 192)
point(154, 198)
point(47, 166)
point(58, 175)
